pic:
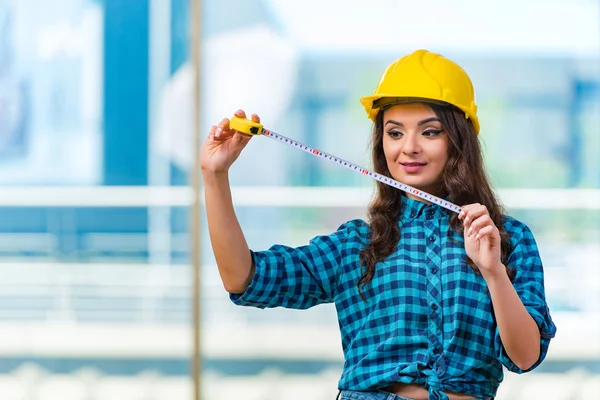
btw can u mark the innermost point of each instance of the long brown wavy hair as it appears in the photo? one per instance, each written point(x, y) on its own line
point(464, 181)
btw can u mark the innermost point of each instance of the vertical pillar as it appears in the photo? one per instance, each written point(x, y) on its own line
point(126, 25)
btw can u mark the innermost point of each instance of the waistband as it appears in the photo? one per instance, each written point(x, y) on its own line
point(378, 395)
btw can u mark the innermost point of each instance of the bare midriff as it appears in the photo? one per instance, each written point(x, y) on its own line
point(418, 392)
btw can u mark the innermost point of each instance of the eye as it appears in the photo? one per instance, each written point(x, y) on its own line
point(394, 134)
point(432, 132)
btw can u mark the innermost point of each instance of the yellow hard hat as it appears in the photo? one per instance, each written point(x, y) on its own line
point(424, 76)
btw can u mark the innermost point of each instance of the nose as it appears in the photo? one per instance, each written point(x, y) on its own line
point(411, 144)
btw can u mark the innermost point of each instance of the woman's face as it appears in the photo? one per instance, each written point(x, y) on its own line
point(415, 147)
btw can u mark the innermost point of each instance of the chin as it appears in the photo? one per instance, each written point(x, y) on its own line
point(413, 181)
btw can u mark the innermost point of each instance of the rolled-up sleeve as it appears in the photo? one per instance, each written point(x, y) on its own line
point(296, 277)
point(529, 285)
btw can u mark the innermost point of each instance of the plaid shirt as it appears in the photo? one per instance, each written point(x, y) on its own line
point(428, 318)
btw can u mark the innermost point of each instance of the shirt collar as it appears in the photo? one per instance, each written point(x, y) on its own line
point(414, 209)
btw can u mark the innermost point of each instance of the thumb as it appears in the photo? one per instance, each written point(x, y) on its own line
point(240, 140)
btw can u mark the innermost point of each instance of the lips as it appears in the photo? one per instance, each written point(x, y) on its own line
point(413, 167)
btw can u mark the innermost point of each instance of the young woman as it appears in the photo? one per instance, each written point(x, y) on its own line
point(430, 303)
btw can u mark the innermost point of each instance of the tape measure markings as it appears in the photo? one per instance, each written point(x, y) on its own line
point(347, 164)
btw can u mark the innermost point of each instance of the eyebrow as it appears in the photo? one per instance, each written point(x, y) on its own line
point(423, 122)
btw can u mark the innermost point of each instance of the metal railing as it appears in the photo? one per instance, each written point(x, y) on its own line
point(284, 196)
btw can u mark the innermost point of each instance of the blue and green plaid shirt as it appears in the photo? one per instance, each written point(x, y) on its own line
point(428, 318)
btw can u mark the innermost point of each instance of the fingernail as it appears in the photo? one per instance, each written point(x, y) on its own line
point(218, 132)
point(467, 219)
point(477, 237)
point(469, 231)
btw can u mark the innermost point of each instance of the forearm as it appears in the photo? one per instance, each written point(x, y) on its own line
point(518, 330)
point(228, 242)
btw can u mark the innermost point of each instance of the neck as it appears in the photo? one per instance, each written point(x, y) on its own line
point(413, 197)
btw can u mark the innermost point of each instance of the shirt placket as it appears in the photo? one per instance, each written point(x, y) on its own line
point(434, 295)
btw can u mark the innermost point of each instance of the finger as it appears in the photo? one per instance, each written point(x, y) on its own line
point(255, 118)
point(222, 128)
point(211, 133)
point(464, 210)
point(485, 231)
point(473, 212)
point(478, 224)
point(240, 114)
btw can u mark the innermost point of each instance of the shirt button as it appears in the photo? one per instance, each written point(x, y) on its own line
point(434, 271)
point(412, 215)
point(434, 306)
point(432, 238)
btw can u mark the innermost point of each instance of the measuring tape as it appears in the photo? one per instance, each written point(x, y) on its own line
point(249, 127)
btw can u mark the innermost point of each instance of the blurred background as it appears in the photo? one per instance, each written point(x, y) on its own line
point(97, 150)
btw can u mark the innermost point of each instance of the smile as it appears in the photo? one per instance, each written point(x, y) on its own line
point(413, 167)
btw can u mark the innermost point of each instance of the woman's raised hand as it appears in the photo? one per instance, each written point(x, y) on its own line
point(223, 145)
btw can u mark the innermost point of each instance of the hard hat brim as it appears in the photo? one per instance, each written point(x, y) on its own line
point(374, 104)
